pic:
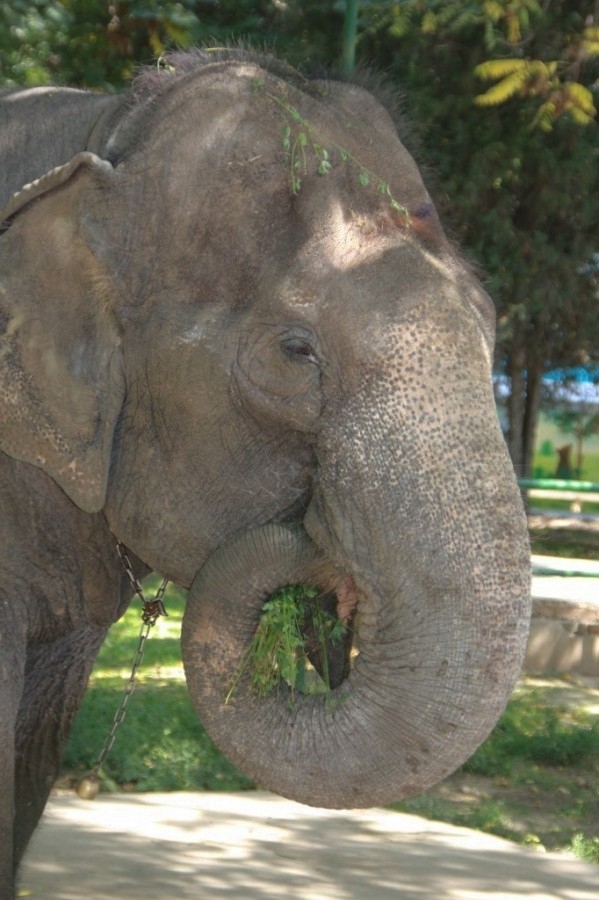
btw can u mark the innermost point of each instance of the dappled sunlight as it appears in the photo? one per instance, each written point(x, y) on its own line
point(156, 675)
point(257, 846)
point(575, 691)
point(162, 654)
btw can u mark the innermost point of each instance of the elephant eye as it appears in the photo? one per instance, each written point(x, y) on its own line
point(297, 348)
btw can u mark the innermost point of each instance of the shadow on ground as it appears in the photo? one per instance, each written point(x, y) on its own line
point(257, 846)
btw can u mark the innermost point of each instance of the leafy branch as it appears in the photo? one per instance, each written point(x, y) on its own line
point(534, 78)
point(278, 649)
point(555, 82)
point(510, 23)
point(300, 141)
point(507, 27)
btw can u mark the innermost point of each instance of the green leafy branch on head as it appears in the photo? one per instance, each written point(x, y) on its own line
point(300, 141)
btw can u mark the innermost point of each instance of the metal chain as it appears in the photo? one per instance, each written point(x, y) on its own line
point(152, 609)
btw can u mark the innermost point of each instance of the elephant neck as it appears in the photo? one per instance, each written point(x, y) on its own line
point(60, 568)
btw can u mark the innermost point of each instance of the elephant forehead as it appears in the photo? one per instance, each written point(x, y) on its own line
point(361, 260)
point(345, 239)
point(248, 149)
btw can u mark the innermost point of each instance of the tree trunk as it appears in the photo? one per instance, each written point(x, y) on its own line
point(515, 408)
point(579, 432)
point(350, 28)
point(531, 418)
point(523, 410)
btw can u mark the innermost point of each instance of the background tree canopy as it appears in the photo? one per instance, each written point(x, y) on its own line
point(502, 97)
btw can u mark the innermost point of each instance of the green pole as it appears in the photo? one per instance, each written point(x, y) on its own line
point(350, 29)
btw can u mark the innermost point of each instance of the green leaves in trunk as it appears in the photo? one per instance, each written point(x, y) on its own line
point(278, 652)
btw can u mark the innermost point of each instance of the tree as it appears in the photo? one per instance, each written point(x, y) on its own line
point(580, 424)
point(350, 27)
point(572, 404)
point(88, 43)
point(524, 200)
point(95, 43)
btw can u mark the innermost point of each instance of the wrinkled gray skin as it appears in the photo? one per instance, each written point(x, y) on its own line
point(189, 353)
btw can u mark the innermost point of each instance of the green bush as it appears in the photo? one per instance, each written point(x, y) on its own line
point(585, 848)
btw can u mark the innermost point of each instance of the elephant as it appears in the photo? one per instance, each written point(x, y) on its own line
point(236, 340)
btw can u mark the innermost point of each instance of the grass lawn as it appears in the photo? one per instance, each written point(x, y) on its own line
point(565, 542)
point(544, 466)
point(535, 780)
point(161, 745)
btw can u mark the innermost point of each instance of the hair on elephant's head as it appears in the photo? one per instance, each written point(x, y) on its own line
point(238, 330)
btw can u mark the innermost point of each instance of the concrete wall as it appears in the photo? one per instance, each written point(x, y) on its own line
point(556, 646)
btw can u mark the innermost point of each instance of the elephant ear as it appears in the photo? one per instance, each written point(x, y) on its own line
point(61, 382)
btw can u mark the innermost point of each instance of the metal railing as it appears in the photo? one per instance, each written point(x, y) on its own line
point(576, 492)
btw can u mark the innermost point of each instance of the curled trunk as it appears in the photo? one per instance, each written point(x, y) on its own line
point(395, 725)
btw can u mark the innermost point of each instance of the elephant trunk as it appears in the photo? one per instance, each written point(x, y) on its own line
point(438, 653)
point(434, 540)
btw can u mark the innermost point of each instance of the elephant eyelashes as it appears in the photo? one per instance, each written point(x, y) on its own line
point(297, 348)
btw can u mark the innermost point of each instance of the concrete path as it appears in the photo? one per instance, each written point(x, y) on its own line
point(255, 846)
point(573, 590)
point(572, 580)
point(564, 566)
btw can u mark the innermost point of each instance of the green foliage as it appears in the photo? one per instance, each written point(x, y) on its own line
point(533, 781)
point(585, 848)
point(278, 652)
point(92, 43)
point(519, 77)
point(161, 744)
point(590, 39)
point(514, 76)
point(523, 201)
point(580, 423)
point(547, 448)
point(508, 27)
point(533, 732)
point(488, 815)
point(573, 415)
point(300, 141)
point(88, 42)
point(566, 542)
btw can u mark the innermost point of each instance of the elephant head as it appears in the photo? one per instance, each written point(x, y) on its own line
point(243, 338)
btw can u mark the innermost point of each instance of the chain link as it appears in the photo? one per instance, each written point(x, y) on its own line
point(121, 712)
point(151, 611)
